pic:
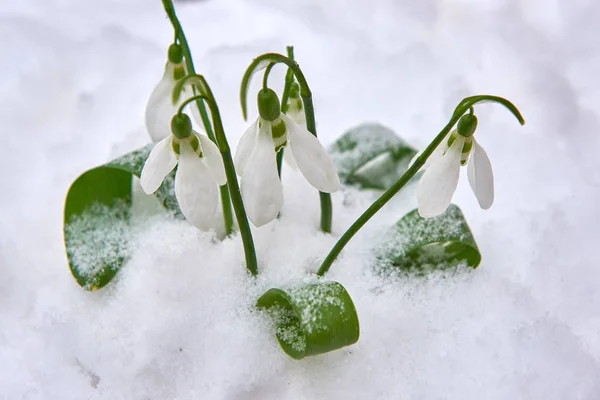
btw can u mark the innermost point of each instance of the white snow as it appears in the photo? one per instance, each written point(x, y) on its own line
point(179, 321)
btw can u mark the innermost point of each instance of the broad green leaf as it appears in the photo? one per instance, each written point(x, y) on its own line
point(371, 156)
point(312, 318)
point(420, 245)
point(96, 218)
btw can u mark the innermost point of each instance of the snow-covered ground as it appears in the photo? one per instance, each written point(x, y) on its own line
point(178, 323)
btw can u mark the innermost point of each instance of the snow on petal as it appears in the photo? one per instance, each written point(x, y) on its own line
point(438, 183)
point(196, 189)
point(159, 163)
point(245, 147)
point(312, 159)
point(213, 159)
point(481, 177)
point(261, 188)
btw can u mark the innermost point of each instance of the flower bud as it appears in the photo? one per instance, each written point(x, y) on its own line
point(467, 125)
point(175, 53)
point(181, 126)
point(268, 105)
point(294, 90)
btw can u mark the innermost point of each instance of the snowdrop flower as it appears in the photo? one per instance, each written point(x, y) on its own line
point(160, 108)
point(255, 159)
point(200, 171)
point(295, 109)
point(439, 182)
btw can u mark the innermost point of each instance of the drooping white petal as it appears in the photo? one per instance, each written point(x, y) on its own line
point(213, 159)
point(312, 159)
point(245, 147)
point(196, 189)
point(262, 191)
point(288, 157)
point(481, 176)
point(434, 157)
point(160, 109)
point(159, 163)
point(438, 183)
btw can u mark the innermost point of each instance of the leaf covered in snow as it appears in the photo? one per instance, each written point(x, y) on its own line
point(313, 318)
point(371, 156)
point(96, 218)
point(419, 244)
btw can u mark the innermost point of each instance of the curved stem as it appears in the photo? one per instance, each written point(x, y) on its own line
point(191, 99)
point(179, 34)
point(289, 79)
point(266, 75)
point(463, 107)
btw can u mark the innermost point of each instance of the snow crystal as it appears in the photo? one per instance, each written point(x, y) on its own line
point(287, 327)
point(312, 299)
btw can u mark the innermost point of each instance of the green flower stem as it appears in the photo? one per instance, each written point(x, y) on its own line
point(324, 198)
point(463, 107)
point(236, 197)
point(306, 94)
point(266, 76)
point(289, 79)
point(225, 200)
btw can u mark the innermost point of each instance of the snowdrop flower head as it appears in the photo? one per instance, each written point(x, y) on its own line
point(199, 174)
point(255, 159)
point(439, 182)
point(160, 108)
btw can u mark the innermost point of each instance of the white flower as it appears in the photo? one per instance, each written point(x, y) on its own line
point(439, 182)
point(256, 164)
point(160, 108)
point(200, 172)
point(296, 111)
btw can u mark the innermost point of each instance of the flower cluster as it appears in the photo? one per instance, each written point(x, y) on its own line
point(200, 167)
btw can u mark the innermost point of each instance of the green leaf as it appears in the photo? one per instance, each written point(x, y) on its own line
point(371, 156)
point(420, 245)
point(312, 318)
point(96, 218)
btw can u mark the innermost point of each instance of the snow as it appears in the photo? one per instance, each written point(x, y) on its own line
point(179, 322)
point(98, 237)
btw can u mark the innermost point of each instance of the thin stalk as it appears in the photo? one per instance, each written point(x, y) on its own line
point(464, 106)
point(236, 197)
point(289, 79)
point(324, 198)
point(180, 35)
